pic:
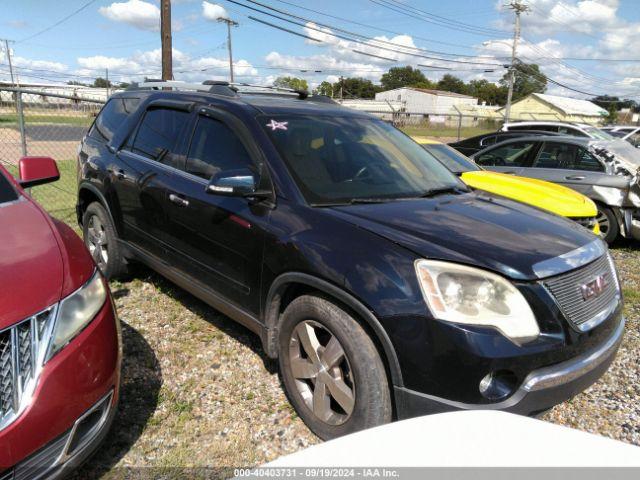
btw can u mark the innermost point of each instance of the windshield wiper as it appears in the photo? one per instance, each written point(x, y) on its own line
point(442, 190)
point(354, 201)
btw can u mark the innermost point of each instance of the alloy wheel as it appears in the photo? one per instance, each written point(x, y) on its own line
point(97, 242)
point(322, 372)
point(603, 222)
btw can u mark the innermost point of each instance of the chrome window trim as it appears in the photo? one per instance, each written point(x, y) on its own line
point(571, 260)
point(168, 168)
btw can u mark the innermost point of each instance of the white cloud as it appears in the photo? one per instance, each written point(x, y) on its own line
point(213, 11)
point(139, 14)
point(148, 63)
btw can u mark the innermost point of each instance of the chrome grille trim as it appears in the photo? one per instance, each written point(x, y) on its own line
point(584, 314)
point(22, 350)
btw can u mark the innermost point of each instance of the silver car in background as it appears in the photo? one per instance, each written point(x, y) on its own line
point(629, 133)
point(605, 171)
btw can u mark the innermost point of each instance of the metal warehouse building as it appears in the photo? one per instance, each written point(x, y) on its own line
point(539, 106)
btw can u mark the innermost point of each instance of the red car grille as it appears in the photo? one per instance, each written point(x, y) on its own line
point(22, 350)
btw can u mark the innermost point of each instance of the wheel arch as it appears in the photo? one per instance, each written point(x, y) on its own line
point(302, 283)
point(87, 194)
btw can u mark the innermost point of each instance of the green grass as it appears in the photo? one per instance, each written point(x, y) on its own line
point(72, 119)
point(57, 198)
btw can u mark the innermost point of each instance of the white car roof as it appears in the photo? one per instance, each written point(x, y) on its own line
point(479, 438)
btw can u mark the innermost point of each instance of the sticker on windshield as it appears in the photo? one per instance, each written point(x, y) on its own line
point(273, 125)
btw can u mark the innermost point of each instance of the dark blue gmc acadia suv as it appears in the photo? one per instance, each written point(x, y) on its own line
point(384, 286)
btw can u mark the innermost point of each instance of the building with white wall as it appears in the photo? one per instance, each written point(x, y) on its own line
point(434, 105)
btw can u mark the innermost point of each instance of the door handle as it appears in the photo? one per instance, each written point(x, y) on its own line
point(119, 173)
point(574, 177)
point(178, 200)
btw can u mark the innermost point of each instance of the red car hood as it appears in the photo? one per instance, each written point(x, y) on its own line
point(31, 268)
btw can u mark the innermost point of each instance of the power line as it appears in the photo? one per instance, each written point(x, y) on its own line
point(372, 27)
point(350, 39)
point(58, 22)
point(404, 11)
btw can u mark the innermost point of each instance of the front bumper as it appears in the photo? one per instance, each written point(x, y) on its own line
point(83, 376)
point(541, 389)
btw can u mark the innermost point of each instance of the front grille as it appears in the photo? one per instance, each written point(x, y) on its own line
point(579, 308)
point(22, 350)
point(586, 222)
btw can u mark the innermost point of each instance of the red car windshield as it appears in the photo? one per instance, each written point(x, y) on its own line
point(7, 192)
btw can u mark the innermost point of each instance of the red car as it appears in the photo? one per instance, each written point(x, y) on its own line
point(60, 341)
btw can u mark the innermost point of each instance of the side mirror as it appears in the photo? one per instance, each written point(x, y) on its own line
point(233, 183)
point(37, 171)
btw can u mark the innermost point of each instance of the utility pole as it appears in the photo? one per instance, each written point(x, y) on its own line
point(230, 23)
point(106, 73)
point(518, 7)
point(18, 97)
point(165, 35)
point(341, 87)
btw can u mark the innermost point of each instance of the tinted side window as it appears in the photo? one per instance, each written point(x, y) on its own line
point(7, 192)
point(215, 148)
point(111, 117)
point(517, 128)
point(157, 135)
point(512, 155)
point(568, 157)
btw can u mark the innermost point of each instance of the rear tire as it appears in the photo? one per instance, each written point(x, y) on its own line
point(101, 239)
point(331, 369)
point(608, 222)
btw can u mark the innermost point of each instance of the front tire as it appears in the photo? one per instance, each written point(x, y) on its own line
point(101, 240)
point(608, 222)
point(331, 369)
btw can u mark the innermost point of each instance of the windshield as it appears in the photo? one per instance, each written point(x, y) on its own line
point(7, 192)
point(597, 133)
point(452, 159)
point(345, 159)
point(617, 133)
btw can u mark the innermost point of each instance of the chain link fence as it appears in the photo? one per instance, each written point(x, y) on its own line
point(44, 124)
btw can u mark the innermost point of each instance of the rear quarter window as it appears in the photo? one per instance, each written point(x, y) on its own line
point(112, 115)
point(7, 192)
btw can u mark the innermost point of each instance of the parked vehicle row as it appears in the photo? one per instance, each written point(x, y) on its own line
point(631, 133)
point(545, 195)
point(388, 279)
point(604, 171)
point(383, 284)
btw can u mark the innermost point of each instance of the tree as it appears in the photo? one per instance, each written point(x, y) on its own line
point(487, 92)
point(102, 83)
point(291, 82)
point(357, 87)
point(75, 82)
point(426, 84)
point(398, 77)
point(605, 101)
point(528, 79)
point(325, 88)
point(450, 83)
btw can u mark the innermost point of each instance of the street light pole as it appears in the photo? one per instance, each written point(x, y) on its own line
point(230, 23)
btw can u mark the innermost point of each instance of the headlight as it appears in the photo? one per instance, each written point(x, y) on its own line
point(76, 311)
point(461, 294)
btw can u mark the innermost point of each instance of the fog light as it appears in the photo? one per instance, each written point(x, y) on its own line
point(498, 385)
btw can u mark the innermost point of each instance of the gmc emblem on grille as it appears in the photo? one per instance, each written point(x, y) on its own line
point(595, 287)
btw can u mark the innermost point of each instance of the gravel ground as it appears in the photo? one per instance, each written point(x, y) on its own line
point(198, 391)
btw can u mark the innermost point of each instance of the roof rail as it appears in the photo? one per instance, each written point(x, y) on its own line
point(210, 86)
point(302, 94)
point(221, 88)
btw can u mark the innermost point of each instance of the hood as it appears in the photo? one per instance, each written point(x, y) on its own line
point(31, 268)
point(476, 229)
point(539, 193)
